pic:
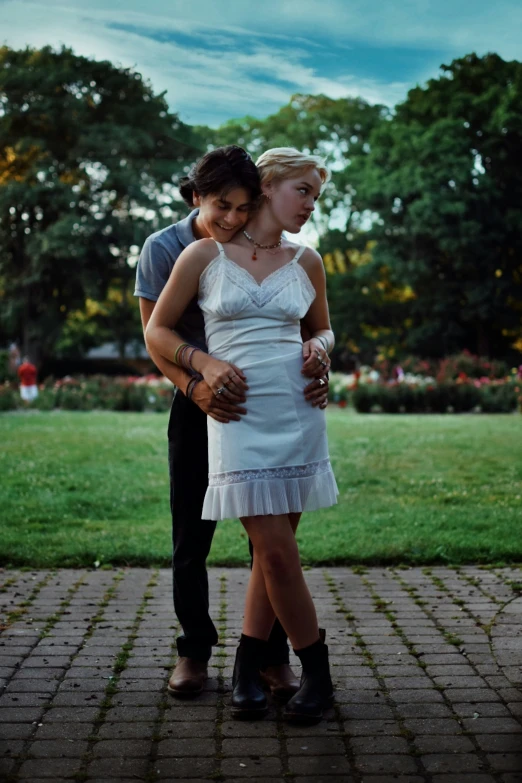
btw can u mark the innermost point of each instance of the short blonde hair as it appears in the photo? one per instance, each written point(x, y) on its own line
point(284, 162)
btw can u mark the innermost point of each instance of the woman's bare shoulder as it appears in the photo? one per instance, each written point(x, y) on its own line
point(207, 247)
point(198, 254)
point(311, 259)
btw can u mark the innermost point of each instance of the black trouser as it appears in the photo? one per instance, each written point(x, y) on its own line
point(192, 536)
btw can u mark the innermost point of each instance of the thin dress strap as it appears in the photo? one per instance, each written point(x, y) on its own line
point(300, 252)
point(220, 247)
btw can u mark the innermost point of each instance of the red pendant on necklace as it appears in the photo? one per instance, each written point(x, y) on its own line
point(254, 255)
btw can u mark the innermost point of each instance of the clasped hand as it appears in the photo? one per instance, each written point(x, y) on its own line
point(225, 379)
point(223, 389)
point(316, 360)
point(316, 365)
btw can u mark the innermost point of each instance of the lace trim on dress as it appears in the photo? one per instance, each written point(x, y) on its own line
point(266, 474)
point(261, 294)
point(270, 496)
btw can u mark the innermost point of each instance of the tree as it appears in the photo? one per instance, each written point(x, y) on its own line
point(444, 176)
point(368, 310)
point(88, 155)
point(116, 319)
point(337, 129)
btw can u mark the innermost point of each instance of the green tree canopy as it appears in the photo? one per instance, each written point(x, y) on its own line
point(115, 319)
point(369, 311)
point(444, 176)
point(88, 154)
point(337, 129)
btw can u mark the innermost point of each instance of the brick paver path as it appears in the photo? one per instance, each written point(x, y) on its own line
point(426, 662)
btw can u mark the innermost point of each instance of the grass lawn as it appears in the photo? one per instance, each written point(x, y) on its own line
point(80, 488)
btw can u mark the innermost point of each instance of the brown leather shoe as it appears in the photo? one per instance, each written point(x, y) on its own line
point(188, 678)
point(281, 680)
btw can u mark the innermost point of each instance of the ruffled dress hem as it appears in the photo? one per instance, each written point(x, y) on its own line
point(270, 496)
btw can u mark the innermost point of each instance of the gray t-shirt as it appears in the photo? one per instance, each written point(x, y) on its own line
point(157, 258)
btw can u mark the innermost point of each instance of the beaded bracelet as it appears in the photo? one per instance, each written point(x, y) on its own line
point(188, 363)
point(184, 354)
point(321, 337)
point(191, 384)
point(181, 347)
point(190, 387)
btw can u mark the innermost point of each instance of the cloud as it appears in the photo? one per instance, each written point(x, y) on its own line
point(220, 60)
point(472, 24)
point(205, 85)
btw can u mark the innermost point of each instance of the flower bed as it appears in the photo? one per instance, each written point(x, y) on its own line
point(416, 386)
point(148, 393)
point(450, 397)
point(419, 386)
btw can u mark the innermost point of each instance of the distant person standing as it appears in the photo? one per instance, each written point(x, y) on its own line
point(14, 358)
point(27, 373)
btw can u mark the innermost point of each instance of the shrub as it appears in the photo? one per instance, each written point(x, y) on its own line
point(465, 365)
point(135, 398)
point(388, 398)
point(9, 398)
point(162, 400)
point(464, 397)
point(498, 398)
point(411, 398)
point(96, 392)
point(365, 398)
point(437, 398)
point(74, 399)
point(5, 373)
point(461, 366)
point(45, 401)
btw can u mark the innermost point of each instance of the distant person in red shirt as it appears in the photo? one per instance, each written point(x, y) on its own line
point(27, 375)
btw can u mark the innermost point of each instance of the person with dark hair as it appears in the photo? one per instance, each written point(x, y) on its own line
point(272, 464)
point(224, 188)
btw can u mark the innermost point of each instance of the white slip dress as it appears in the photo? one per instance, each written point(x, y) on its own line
point(275, 459)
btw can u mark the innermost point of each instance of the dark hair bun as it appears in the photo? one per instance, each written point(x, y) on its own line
point(186, 189)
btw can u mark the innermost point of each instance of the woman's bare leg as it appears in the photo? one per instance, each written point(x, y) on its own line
point(259, 614)
point(277, 582)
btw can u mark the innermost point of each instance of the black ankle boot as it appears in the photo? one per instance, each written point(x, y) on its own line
point(248, 697)
point(316, 691)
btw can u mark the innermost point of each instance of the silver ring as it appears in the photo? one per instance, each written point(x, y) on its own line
point(321, 382)
point(220, 391)
point(324, 364)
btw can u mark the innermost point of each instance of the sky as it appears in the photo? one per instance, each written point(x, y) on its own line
point(224, 59)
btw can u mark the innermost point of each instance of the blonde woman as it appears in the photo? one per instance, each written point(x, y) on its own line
point(273, 464)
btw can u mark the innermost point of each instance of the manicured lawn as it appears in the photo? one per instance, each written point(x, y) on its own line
point(80, 488)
